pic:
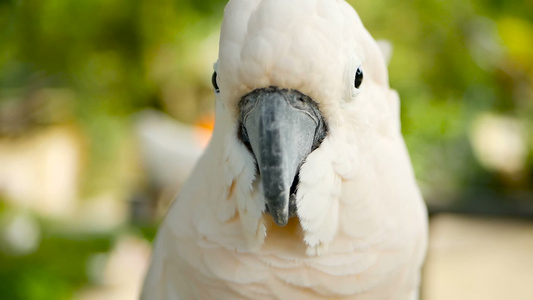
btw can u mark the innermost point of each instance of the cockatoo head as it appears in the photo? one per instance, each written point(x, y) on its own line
point(290, 75)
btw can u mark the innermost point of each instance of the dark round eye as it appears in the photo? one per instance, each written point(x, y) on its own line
point(214, 82)
point(358, 78)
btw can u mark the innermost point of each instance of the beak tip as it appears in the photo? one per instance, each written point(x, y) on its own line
point(281, 219)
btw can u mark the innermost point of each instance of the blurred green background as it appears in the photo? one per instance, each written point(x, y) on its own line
point(82, 85)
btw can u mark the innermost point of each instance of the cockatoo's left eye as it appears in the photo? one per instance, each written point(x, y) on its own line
point(358, 78)
point(214, 82)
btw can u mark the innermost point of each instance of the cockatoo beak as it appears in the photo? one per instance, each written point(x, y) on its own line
point(280, 127)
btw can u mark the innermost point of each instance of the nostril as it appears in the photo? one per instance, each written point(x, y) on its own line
point(299, 100)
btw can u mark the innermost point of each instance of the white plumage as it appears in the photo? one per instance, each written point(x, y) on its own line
point(361, 225)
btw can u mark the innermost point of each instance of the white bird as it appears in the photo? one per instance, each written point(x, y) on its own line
point(306, 190)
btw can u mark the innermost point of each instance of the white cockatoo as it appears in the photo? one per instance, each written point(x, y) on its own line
point(306, 190)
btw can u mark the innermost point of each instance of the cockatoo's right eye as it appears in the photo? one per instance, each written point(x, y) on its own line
point(214, 82)
point(358, 78)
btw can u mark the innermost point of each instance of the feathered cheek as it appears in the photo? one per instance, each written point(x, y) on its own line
point(320, 189)
point(243, 198)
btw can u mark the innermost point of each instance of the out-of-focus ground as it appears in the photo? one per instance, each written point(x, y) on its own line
point(478, 258)
point(105, 106)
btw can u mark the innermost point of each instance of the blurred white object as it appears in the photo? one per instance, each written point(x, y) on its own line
point(120, 272)
point(499, 143)
point(41, 172)
point(21, 234)
point(386, 49)
point(479, 259)
point(169, 148)
point(101, 213)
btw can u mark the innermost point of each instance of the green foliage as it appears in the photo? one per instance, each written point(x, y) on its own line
point(452, 61)
point(55, 271)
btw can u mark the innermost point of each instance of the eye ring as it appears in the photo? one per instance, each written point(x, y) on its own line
point(214, 82)
point(358, 78)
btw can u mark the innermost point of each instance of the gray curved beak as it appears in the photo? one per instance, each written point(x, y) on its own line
point(280, 127)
